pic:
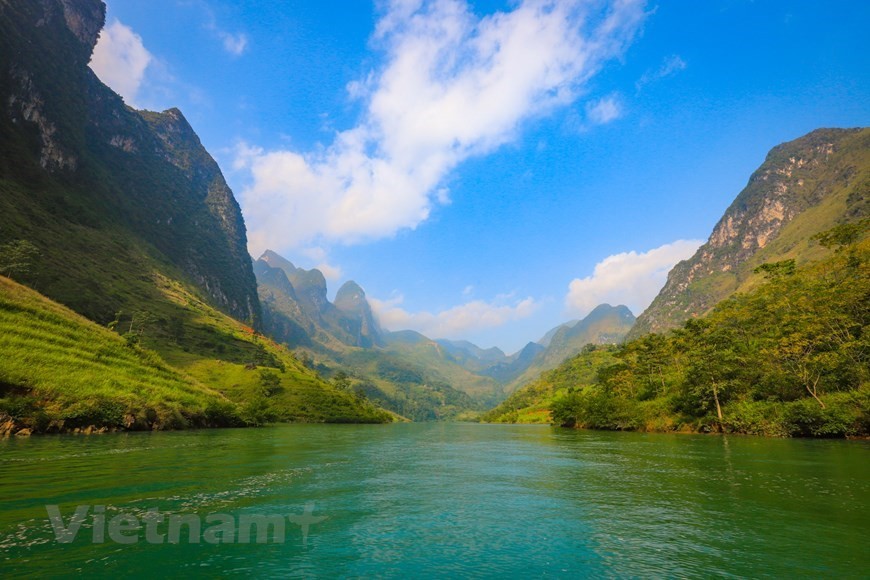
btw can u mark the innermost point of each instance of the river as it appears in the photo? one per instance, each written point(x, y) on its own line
point(432, 500)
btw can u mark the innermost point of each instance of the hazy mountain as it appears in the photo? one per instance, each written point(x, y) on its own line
point(545, 340)
point(803, 187)
point(404, 371)
point(358, 319)
point(606, 324)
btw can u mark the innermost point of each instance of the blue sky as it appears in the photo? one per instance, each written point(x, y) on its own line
point(488, 170)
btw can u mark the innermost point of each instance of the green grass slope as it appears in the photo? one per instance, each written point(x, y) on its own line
point(61, 372)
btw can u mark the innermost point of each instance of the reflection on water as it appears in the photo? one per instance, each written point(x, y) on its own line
point(454, 499)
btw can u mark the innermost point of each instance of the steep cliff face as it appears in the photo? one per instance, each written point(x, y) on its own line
point(358, 319)
point(299, 302)
point(77, 163)
point(804, 187)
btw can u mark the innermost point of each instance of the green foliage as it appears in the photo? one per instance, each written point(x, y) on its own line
point(842, 235)
point(776, 269)
point(789, 358)
point(270, 383)
point(18, 259)
point(60, 372)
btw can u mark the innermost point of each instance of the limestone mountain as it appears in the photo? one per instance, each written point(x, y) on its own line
point(299, 303)
point(515, 365)
point(405, 371)
point(471, 356)
point(358, 320)
point(606, 324)
point(107, 193)
point(128, 221)
point(804, 187)
point(548, 336)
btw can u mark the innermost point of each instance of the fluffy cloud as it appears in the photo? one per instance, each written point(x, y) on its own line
point(452, 85)
point(454, 322)
point(120, 60)
point(604, 110)
point(629, 278)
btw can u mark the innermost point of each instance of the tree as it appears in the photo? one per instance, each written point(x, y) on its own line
point(341, 381)
point(716, 365)
point(18, 258)
point(270, 383)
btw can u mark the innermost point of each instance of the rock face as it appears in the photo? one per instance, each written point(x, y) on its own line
point(358, 319)
point(297, 304)
point(809, 184)
point(79, 155)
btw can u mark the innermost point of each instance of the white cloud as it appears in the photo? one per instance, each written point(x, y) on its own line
point(452, 86)
point(329, 271)
point(669, 67)
point(455, 322)
point(120, 60)
point(604, 110)
point(235, 44)
point(629, 278)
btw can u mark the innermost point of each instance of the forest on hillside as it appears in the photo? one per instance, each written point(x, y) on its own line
point(789, 358)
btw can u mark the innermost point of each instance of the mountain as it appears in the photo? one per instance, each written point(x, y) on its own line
point(358, 320)
point(606, 324)
point(803, 187)
point(124, 217)
point(516, 364)
point(404, 372)
point(471, 356)
point(107, 193)
point(548, 336)
point(787, 358)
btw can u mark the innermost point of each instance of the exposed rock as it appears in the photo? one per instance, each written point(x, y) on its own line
point(795, 177)
point(7, 426)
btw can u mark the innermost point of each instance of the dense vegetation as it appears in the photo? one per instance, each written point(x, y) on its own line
point(124, 217)
point(59, 372)
point(62, 372)
point(789, 358)
point(804, 187)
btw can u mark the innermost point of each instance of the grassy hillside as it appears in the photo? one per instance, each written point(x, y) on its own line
point(247, 367)
point(61, 372)
point(791, 357)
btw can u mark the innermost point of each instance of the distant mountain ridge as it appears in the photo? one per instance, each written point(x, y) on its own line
point(803, 187)
point(405, 372)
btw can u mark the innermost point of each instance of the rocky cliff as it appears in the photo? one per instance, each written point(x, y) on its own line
point(100, 187)
point(803, 187)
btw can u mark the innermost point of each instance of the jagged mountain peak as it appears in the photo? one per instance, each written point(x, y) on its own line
point(350, 296)
point(275, 260)
point(803, 187)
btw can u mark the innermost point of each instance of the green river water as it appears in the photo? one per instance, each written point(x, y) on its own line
point(435, 500)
